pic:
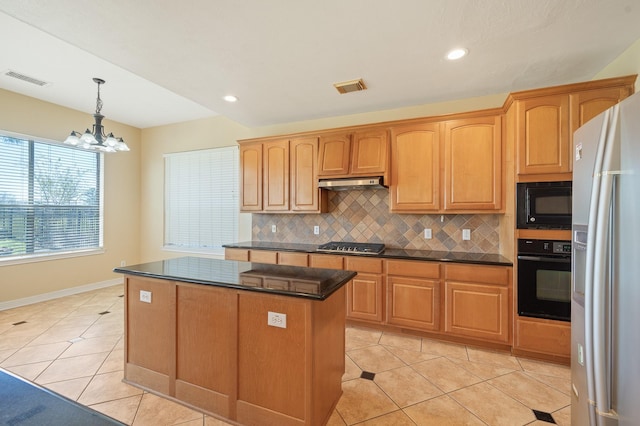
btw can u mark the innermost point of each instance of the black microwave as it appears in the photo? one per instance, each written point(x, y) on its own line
point(543, 205)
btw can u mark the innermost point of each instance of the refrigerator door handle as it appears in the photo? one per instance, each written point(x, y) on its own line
point(601, 301)
point(590, 260)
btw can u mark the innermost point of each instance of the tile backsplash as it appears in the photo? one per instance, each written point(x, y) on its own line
point(363, 216)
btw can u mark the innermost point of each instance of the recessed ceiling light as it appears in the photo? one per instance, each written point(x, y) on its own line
point(457, 54)
point(230, 98)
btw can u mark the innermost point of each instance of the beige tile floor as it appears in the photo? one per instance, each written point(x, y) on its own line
point(73, 346)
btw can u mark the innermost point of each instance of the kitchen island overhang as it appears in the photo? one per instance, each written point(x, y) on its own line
point(251, 343)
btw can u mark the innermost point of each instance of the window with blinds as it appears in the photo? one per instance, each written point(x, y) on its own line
point(201, 200)
point(50, 199)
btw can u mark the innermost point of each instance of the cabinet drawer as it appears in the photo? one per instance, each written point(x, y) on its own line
point(550, 337)
point(250, 280)
point(263, 256)
point(236, 254)
point(328, 261)
point(477, 274)
point(363, 264)
point(293, 259)
point(409, 268)
point(276, 284)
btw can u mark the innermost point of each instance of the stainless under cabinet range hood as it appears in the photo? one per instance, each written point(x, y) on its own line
point(352, 183)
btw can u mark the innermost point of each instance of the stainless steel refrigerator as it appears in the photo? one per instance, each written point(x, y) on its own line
point(605, 306)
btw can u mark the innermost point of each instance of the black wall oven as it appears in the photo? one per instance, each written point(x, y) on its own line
point(543, 205)
point(544, 279)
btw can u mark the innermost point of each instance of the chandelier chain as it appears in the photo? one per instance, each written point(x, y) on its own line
point(98, 101)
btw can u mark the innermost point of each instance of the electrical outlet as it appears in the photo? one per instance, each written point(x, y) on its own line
point(273, 228)
point(275, 319)
point(466, 234)
point(145, 296)
point(316, 230)
point(427, 233)
point(123, 263)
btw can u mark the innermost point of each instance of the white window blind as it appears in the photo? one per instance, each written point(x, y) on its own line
point(201, 200)
point(49, 199)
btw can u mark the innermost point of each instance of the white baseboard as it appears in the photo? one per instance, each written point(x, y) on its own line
point(56, 294)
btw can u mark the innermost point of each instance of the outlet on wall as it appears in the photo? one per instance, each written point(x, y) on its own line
point(316, 230)
point(273, 228)
point(427, 233)
point(466, 234)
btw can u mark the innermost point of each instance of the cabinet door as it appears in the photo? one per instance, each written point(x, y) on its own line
point(543, 135)
point(364, 297)
point(413, 302)
point(477, 302)
point(304, 174)
point(415, 168)
point(477, 310)
point(334, 154)
point(276, 176)
point(213, 346)
point(251, 177)
point(473, 164)
point(586, 105)
point(369, 153)
point(150, 332)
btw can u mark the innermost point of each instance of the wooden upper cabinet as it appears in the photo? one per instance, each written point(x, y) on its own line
point(587, 104)
point(473, 164)
point(369, 153)
point(334, 155)
point(304, 192)
point(415, 168)
point(276, 176)
point(543, 137)
point(363, 153)
point(251, 177)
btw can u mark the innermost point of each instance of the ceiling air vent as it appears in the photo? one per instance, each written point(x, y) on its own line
point(26, 78)
point(350, 86)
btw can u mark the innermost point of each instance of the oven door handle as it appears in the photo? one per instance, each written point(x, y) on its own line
point(546, 259)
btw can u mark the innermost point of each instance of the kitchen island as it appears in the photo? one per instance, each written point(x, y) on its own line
point(247, 342)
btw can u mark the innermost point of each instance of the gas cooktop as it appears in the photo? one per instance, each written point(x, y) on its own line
point(353, 248)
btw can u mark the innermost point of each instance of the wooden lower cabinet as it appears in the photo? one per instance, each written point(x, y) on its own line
point(365, 293)
point(477, 302)
point(211, 348)
point(413, 294)
point(365, 297)
point(413, 302)
point(542, 338)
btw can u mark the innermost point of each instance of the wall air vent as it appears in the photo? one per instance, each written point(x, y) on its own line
point(20, 76)
point(350, 86)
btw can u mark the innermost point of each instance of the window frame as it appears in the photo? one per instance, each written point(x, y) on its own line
point(66, 254)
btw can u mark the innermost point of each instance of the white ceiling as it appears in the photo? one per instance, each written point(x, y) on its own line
point(168, 61)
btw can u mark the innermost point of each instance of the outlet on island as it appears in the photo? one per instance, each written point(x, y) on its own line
point(275, 319)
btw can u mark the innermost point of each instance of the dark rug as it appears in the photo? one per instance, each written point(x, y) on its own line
point(24, 404)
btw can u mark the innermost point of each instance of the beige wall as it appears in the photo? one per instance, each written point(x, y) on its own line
point(28, 116)
point(157, 141)
point(626, 64)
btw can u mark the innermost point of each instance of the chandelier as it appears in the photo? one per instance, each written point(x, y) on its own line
point(97, 140)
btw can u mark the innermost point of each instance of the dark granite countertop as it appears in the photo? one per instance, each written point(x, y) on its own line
point(389, 253)
point(310, 283)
